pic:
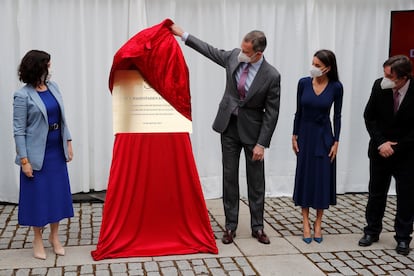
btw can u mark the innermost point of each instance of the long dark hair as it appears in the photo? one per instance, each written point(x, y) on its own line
point(327, 57)
point(33, 68)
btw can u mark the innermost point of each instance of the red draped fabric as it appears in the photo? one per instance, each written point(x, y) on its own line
point(155, 53)
point(154, 203)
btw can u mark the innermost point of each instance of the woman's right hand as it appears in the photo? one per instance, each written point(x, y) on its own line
point(295, 146)
point(27, 169)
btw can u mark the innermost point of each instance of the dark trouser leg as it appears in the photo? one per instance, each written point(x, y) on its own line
point(379, 183)
point(231, 148)
point(404, 180)
point(255, 188)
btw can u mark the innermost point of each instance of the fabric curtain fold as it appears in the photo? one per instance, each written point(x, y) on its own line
point(154, 203)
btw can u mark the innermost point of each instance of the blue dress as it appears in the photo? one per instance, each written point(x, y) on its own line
point(315, 178)
point(46, 198)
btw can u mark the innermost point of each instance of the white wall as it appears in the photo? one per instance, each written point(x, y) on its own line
point(83, 36)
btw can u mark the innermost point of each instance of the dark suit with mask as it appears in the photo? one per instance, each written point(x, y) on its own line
point(253, 125)
point(384, 125)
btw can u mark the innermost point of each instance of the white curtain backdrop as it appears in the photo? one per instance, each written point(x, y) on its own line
point(83, 35)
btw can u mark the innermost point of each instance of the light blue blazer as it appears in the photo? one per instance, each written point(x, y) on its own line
point(31, 127)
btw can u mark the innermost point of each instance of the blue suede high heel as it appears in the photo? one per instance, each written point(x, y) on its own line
point(307, 240)
point(317, 239)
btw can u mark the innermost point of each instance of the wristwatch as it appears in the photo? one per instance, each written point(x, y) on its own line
point(24, 161)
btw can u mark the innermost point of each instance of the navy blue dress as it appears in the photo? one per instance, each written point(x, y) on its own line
point(315, 178)
point(46, 198)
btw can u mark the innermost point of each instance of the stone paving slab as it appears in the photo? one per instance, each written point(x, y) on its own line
point(339, 253)
point(278, 246)
point(225, 251)
point(23, 258)
point(287, 265)
point(244, 229)
point(341, 242)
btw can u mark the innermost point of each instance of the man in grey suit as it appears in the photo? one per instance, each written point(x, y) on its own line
point(246, 119)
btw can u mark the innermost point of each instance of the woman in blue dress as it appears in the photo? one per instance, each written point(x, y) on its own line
point(314, 142)
point(43, 146)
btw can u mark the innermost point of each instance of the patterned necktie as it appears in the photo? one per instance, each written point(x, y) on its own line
point(242, 82)
point(396, 100)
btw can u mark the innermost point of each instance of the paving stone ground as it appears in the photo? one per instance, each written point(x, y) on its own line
point(346, 219)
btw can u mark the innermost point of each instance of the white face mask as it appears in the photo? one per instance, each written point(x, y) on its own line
point(242, 57)
point(386, 83)
point(315, 72)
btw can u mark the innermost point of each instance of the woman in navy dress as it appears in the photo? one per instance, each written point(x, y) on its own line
point(43, 145)
point(314, 142)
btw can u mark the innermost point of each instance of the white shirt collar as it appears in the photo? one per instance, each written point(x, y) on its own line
point(403, 90)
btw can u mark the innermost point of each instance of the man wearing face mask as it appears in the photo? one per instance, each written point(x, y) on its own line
point(389, 119)
point(246, 119)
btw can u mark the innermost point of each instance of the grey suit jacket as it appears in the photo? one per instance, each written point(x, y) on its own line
point(31, 127)
point(258, 113)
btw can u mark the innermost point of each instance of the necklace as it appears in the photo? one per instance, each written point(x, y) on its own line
point(41, 87)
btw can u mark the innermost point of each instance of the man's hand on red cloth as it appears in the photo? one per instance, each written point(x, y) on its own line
point(177, 30)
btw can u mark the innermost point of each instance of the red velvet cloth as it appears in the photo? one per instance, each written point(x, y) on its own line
point(154, 203)
point(155, 53)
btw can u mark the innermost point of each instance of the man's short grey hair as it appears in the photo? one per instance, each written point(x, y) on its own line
point(258, 39)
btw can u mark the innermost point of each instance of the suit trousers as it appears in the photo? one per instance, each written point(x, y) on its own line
point(231, 146)
point(381, 171)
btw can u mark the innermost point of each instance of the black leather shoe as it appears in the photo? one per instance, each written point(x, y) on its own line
point(367, 240)
point(261, 236)
point(228, 236)
point(403, 248)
